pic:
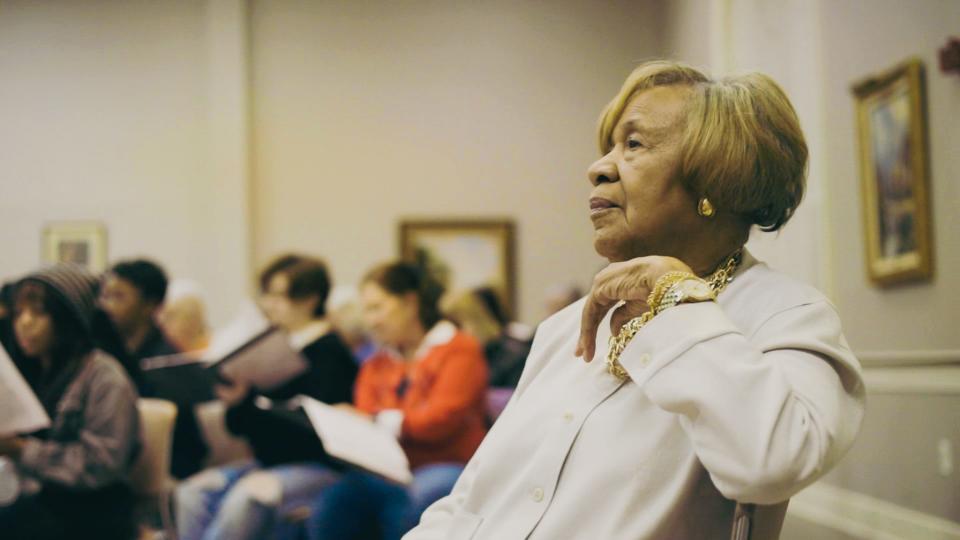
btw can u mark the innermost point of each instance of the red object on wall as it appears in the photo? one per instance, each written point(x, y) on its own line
point(950, 57)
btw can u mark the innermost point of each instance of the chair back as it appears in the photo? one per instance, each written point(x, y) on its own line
point(151, 473)
point(758, 522)
point(223, 447)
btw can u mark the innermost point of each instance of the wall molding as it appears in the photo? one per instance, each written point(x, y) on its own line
point(908, 358)
point(862, 516)
point(937, 380)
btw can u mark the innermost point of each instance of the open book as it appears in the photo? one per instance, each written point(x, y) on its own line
point(353, 439)
point(22, 412)
point(266, 362)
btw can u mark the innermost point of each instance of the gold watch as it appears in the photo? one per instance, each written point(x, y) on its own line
point(686, 291)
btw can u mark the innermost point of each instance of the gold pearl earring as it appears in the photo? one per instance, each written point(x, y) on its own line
point(705, 208)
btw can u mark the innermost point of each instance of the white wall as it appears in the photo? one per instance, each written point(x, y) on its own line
point(107, 116)
point(367, 113)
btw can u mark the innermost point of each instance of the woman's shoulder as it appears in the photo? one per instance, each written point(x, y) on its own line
point(105, 370)
point(760, 292)
point(327, 346)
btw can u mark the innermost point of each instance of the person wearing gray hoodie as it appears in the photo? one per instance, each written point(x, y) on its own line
point(73, 475)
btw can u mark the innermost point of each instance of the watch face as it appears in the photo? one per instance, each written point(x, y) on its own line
point(696, 289)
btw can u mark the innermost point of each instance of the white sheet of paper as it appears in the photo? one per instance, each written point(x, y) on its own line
point(22, 412)
point(354, 439)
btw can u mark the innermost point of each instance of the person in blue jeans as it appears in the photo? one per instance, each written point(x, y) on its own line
point(362, 503)
point(427, 387)
point(245, 500)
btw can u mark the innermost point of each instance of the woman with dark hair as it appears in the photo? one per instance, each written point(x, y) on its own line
point(242, 500)
point(73, 476)
point(427, 385)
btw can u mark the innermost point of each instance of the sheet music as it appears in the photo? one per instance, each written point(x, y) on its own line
point(354, 439)
point(22, 412)
point(266, 363)
point(248, 323)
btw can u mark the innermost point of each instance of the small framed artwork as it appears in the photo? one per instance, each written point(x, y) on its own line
point(83, 243)
point(464, 254)
point(892, 131)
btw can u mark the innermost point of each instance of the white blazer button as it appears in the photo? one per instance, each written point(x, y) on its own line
point(537, 494)
point(568, 417)
point(644, 359)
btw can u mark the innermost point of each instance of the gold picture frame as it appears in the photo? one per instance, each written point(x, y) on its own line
point(894, 157)
point(464, 254)
point(83, 243)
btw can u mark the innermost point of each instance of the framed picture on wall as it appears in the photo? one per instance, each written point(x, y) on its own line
point(83, 243)
point(894, 157)
point(464, 254)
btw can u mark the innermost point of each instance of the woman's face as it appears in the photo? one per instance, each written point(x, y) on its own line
point(392, 319)
point(286, 313)
point(638, 206)
point(34, 330)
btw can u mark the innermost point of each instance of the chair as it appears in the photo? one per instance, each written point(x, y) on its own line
point(150, 475)
point(758, 522)
point(223, 447)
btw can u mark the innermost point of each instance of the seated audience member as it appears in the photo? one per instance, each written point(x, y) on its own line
point(72, 475)
point(132, 294)
point(505, 343)
point(559, 297)
point(183, 317)
point(241, 501)
point(705, 378)
point(427, 386)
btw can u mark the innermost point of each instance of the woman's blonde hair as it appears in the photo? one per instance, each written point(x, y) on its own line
point(742, 146)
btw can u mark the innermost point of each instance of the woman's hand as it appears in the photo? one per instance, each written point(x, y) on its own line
point(630, 281)
point(233, 393)
point(11, 446)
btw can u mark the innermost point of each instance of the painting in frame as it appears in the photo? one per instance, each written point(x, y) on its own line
point(464, 254)
point(83, 243)
point(894, 157)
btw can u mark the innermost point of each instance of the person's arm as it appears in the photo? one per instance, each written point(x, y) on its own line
point(460, 382)
point(102, 452)
point(767, 413)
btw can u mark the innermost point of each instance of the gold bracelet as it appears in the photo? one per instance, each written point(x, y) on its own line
point(663, 284)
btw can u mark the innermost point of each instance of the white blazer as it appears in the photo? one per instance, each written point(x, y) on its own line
point(750, 398)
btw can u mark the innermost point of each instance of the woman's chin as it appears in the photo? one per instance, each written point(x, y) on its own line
point(607, 246)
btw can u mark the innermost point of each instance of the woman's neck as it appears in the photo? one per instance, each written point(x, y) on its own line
point(408, 348)
point(296, 326)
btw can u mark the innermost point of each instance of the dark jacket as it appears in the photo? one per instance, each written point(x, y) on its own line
point(280, 435)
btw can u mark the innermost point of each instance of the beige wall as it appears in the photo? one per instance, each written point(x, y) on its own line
point(106, 115)
point(367, 113)
point(860, 38)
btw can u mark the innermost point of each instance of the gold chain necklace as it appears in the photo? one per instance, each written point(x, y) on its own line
point(717, 281)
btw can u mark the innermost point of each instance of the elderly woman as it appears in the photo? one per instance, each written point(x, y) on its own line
point(723, 380)
point(427, 386)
